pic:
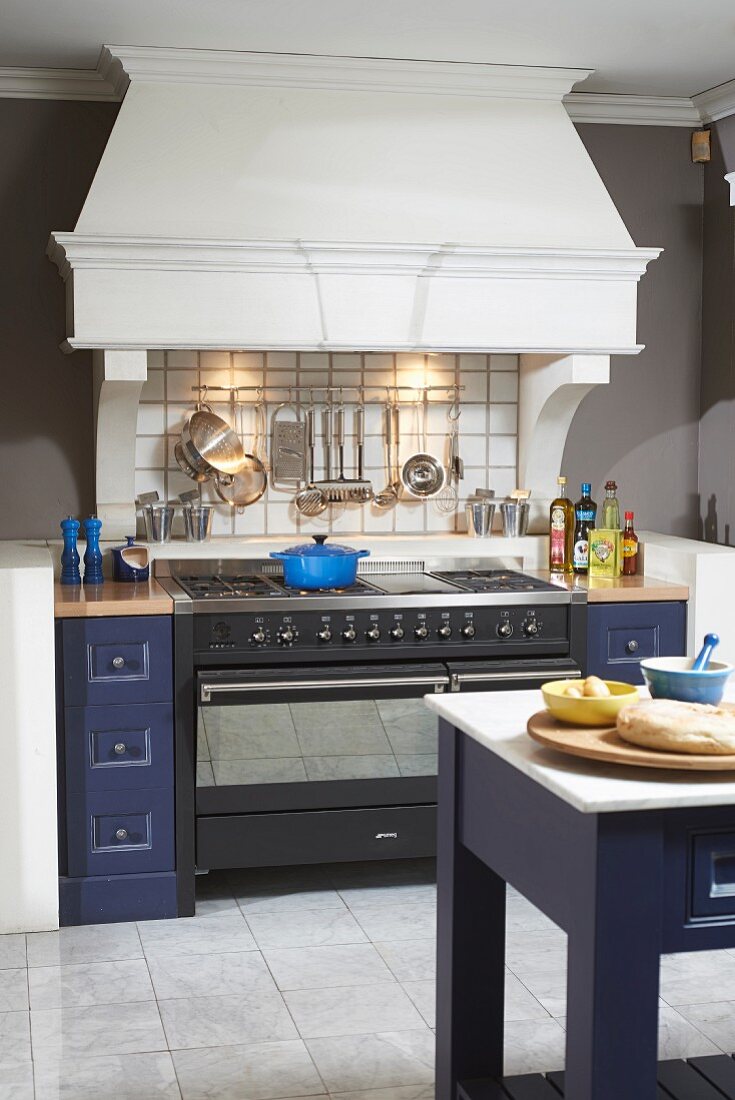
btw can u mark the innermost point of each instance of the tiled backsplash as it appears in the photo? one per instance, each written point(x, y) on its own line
point(487, 426)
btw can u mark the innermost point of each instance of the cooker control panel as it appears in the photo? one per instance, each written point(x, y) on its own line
point(354, 629)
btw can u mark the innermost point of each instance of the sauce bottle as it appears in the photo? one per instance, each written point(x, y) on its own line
point(610, 508)
point(561, 531)
point(585, 511)
point(630, 547)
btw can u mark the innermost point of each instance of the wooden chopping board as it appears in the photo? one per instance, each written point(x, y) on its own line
point(604, 743)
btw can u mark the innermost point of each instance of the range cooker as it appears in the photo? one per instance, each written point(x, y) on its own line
point(301, 732)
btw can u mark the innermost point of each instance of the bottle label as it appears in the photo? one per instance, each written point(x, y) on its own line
point(557, 519)
point(581, 554)
point(586, 515)
point(630, 548)
point(558, 540)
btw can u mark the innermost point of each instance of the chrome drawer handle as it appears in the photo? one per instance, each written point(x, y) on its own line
point(121, 834)
point(632, 646)
point(120, 748)
point(118, 662)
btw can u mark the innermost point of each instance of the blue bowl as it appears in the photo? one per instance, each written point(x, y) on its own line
point(673, 678)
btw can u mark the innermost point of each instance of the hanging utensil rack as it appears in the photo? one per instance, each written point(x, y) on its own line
point(327, 391)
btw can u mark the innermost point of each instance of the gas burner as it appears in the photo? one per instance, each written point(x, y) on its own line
point(495, 580)
point(215, 587)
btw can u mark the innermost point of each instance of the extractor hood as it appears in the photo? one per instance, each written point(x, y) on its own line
point(280, 201)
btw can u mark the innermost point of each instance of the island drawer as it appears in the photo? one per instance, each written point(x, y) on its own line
point(126, 659)
point(712, 874)
point(120, 832)
point(119, 747)
point(620, 636)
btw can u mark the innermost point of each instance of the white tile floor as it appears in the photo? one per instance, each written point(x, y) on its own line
point(288, 983)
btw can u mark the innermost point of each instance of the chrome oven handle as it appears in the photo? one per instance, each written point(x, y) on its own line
point(459, 678)
point(207, 689)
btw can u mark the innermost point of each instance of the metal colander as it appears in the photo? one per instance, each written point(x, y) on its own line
point(210, 445)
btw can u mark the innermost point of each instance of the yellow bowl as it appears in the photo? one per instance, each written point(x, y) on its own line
point(588, 711)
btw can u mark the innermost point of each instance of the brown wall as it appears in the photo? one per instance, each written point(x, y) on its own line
point(50, 151)
point(717, 429)
point(642, 428)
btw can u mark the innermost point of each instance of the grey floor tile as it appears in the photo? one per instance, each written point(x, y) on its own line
point(205, 775)
point(283, 889)
point(319, 1013)
point(520, 1004)
point(350, 728)
point(258, 732)
point(681, 1038)
point(533, 1046)
point(85, 1032)
point(226, 1021)
point(253, 1071)
point(716, 1021)
point(397, 1092)
point(536, 950)
point(522, 916)
point(411, 728)
point(368, 896)
point(215, 896)
point(305, 928)
point(196, 936)
point(322, 967)
point(15, 1037)
point(231, 973)
point(548, 987)
point(351, 767)
point(417, 764)
point(711, 980)
point(13, 990)
point(423, 995)
point(124, 1077)
point(277, 770)
point(375, 1061)
point(404, 920)
point(16, 1081)
point(84, 944)
point(12, 951)
point(79, 984)
point(410, 960)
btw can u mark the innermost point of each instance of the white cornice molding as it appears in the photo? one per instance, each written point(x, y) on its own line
point(165, 64)
point(23, 83)
point(631, 110)
point(80, 251)
point(716, 103)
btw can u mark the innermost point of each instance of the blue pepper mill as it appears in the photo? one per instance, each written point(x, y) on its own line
point(93, 554)
point(70, 555)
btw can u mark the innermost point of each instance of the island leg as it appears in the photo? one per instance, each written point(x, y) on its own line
point(470, 946)
point(613, 964)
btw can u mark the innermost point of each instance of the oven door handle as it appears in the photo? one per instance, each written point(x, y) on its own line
point(459, 678)
point(208, 689)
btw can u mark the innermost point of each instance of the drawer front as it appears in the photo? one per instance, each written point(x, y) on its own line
point(119, 748)
point(620, 636)
point(120, 660)
point(713, 875)
point(121, 832)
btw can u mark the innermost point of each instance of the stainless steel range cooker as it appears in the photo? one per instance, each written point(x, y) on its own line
point(301, 732)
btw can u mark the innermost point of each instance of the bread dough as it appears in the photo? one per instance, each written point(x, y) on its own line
point(679, 727)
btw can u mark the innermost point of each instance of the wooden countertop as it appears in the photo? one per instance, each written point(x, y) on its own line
point(622, 589)
point(111, 598)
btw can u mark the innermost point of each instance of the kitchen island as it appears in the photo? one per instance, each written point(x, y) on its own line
point(630, 862)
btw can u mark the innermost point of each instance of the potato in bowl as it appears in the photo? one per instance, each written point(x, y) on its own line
point(590, 702)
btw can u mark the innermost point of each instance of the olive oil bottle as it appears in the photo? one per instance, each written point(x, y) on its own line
point(561, 531)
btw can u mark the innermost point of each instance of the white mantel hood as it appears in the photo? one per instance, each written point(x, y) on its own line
point(262, 200)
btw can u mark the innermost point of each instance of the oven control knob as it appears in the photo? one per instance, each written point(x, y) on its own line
point(325, 634)
point(286, 635)
point(396, 633)
point(468, 631)
point(530, 628)
point(349, 634)
point(258, 636)
point(420, 633)
point(445, 631)
point(373, 634)
point(505, 629)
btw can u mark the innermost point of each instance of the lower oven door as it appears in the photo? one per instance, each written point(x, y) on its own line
point(307, 764)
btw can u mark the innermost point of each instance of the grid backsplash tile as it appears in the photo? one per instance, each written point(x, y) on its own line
point(488, 428)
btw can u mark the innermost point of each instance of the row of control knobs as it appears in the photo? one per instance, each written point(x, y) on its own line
point(286, 635)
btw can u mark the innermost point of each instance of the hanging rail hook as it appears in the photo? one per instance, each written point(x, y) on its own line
point(455, 410)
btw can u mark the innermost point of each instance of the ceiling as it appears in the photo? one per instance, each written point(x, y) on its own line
point(647, 47)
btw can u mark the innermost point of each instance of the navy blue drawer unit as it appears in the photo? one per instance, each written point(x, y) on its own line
point(121, 660)
point(621, 635)
point(121, 832)
point(116, 773)
point(119, 748)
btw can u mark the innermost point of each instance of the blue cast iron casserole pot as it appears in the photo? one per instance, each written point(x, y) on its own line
point(316, 566)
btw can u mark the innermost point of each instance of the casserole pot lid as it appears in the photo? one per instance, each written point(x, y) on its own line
point(319, 550)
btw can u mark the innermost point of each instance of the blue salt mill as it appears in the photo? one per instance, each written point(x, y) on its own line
point(70, 555)
point(93, 554)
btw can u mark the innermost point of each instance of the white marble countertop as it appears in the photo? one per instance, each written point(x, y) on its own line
point(498, 721)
